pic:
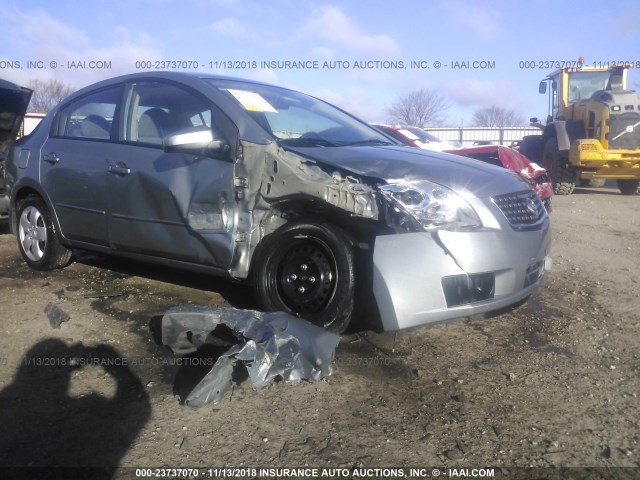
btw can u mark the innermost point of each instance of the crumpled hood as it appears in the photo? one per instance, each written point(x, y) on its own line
point(393, 163)
point(14, 101)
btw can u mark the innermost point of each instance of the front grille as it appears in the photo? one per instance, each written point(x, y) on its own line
point(522, 209)
point(624, 131)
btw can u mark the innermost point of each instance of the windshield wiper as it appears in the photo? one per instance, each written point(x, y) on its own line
point(370, 141)
point(307, 142)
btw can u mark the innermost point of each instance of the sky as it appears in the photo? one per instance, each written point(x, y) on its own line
point(358, 55)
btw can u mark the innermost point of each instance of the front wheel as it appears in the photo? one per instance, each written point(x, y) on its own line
point(628, 187)
point(562, 175)
point(307, 268)
point(37, 237)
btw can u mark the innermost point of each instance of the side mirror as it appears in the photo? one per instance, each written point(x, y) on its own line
point(194, 142)
point(542, 88)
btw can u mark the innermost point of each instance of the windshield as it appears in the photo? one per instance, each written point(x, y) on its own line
point(296, 119)
point(422, 135)
point(584, 84)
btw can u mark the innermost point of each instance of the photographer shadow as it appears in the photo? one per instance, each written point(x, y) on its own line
point(47, 433)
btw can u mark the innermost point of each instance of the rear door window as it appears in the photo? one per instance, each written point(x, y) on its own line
point(90, 117)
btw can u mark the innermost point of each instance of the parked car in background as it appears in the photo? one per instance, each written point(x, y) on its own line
point(415, 137)
point(516, 162)
point(14, 101)
point(494, 154)
point(270, 186)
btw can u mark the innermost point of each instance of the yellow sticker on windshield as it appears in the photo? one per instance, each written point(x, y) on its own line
point(252, 101)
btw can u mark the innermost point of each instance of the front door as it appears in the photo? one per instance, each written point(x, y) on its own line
point(175, 205)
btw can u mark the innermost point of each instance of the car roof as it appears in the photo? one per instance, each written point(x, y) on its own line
point(193, 78)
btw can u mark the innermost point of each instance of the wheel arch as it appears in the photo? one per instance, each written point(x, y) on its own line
point(22, 191)
point(358, 231)
point(565, 132)
point(307, 267)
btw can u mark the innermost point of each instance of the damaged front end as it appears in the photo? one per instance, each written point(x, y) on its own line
point(446, 237)
point(473, 256)
point(278, 185)
point(438, 252)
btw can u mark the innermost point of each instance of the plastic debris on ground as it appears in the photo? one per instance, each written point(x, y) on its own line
point(277, 345)
point(55, 315)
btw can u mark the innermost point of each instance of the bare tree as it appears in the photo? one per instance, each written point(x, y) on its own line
point(497, 117)
point(47, 94)
point(420, 108)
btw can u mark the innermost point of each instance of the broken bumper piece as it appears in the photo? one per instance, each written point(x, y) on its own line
point(422, 278)
point(277, 345)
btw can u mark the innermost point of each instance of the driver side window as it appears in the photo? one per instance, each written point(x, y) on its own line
point(156, 110)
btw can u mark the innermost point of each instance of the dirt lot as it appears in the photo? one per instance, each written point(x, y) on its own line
point(552, 384)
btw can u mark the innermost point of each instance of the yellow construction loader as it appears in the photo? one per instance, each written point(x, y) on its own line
point(592, 132)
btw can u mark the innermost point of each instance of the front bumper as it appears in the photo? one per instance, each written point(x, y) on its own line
point(409, 270)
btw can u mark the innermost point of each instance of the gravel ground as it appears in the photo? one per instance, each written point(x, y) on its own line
point(554, 383)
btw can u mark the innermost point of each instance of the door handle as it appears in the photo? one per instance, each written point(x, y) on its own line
point(51, 158)
point(119, 169)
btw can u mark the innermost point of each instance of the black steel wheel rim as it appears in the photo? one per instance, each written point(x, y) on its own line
point(305, 276)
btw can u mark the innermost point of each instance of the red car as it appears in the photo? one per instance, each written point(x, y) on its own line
point(513, 160)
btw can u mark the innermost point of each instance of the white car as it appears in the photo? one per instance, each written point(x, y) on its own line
point(416, 137)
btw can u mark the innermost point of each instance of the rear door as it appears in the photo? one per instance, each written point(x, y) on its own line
point(73, 164)
point(176, 205)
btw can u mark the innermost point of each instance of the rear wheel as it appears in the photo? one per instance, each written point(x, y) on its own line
point(562, 175)
point(628, 187)
point(307, 269)
point(37, 237)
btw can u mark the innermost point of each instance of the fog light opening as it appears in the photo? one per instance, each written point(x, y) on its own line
point(465, 289)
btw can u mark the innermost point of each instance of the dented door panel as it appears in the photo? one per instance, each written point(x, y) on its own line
point(173, 205)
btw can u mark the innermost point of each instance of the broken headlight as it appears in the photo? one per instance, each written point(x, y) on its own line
point(432, 205)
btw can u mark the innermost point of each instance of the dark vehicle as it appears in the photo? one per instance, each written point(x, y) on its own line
point(268, 185)
point(14, 101)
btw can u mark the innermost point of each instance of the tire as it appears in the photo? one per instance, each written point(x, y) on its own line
point(38, 240)
point(591, 182)
point(562, 175)
point(531, 147)
point(628, 187)
point(307, 268)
